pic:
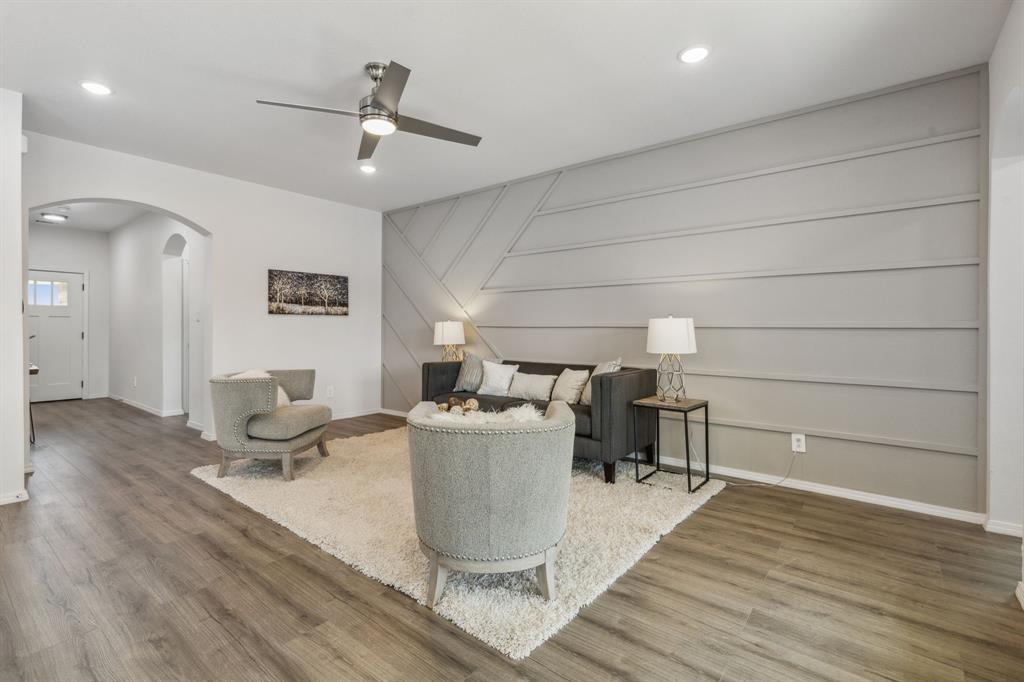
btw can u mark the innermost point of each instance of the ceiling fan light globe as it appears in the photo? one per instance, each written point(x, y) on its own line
point(378, 125)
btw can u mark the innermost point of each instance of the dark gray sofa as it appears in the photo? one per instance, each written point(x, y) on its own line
point(604, 429)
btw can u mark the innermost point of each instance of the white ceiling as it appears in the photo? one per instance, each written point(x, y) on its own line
point(102, 216)
point(546, 84)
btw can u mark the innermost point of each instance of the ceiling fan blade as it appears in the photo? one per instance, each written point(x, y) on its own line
point(367, 145)
point(391, 87)
point(408, 124)
point(324, 110)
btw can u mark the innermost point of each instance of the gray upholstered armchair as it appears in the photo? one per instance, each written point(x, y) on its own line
point(250, 424)
point(490, 498)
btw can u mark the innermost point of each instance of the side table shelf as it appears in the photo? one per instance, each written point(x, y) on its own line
point(684, 406)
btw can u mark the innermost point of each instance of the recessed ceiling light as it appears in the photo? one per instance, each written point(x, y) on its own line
point(368, 169)
point(53, 217)
point(96, 88)
point(692, 55)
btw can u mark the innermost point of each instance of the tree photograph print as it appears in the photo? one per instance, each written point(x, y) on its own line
point(306, 293)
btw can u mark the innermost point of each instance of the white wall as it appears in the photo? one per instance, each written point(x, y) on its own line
point(13, 370)
point(1006, 278)
point(67, 249)
point(253, 228)
point(141, 309)
point(1006, 281)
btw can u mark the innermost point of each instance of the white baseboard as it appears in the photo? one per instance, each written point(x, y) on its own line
point(1004, 528)
point(93, 396)
point(11, 498)
point(845, 493)
point(395, 413)
point(206, 435)
point(146, 408)
point(194, 425)
point(1020, 593)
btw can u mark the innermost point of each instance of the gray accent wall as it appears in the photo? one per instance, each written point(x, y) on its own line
point(833, 260)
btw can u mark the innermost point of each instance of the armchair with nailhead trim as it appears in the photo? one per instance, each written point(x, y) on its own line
point(250, 424)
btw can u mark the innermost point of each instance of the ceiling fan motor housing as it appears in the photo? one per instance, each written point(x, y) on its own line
point(367, 110)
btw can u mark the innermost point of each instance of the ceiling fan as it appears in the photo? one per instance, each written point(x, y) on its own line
point(378, 112)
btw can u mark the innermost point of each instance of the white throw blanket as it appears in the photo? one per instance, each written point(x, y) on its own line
point(520, 413)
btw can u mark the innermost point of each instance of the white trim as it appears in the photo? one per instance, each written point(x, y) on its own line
point(355, 413)
point(395, 413)
point(11, 498)
point(96, 395)
point(1004, 528)
point(845, 493)
point(206, 435)
point(29, 469)
point(194, 425)
point(146, 408)
point(1020, 593)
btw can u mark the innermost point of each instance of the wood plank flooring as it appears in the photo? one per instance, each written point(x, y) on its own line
point(123, 566)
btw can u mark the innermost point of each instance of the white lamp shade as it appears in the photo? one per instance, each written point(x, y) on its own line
point(449, 333)
point(671, 335)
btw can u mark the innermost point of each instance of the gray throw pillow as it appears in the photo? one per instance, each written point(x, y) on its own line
point(471, 374)
point(604, 368)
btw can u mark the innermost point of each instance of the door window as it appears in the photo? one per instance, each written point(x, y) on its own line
point(42, 292)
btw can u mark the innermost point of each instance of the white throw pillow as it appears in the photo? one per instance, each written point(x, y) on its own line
point(282, 395)
point(531, 386)
point(604, 368)
point(570, 385)
point(497, 378)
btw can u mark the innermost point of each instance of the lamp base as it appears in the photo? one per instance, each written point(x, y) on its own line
point(671, 380)
point(449, 353)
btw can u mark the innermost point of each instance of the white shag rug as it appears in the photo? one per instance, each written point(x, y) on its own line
point(357, 505)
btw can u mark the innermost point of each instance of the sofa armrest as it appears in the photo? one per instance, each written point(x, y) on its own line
point(297, 383)
point(235, 402)
point(438, 378)
point(612, 411)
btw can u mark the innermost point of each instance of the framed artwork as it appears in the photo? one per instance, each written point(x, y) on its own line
point(306, 293)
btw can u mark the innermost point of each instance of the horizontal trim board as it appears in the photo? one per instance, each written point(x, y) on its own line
point(881, 92)
point(844, 493)
point(753, 274)
point(824, 161)
point(394, 413)
point(208, 435)
point(836, 435)
point(195, 425)
point(146, 408)
point(752, 224)
point(846, 381)
point(1004, 528)
point(742, 325)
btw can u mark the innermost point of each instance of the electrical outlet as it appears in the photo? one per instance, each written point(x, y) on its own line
point(799, 442)
point(135, 382)
point(330, 391)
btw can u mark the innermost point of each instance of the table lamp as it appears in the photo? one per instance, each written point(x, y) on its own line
point(449, 334)
point(671, 337)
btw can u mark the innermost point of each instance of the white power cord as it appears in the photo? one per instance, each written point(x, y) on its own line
point(789, 470)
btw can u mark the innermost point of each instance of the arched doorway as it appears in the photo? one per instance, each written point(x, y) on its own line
point(147, 342)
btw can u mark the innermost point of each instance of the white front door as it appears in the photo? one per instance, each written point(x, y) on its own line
point(54, 306)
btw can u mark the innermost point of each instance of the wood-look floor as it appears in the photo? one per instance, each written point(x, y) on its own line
point(122, 566)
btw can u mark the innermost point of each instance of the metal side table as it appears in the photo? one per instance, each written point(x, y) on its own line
point(685, 406)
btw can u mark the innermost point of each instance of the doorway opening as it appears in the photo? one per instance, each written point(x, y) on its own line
point(118, 304)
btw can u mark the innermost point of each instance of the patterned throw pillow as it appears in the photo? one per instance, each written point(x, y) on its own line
point(604, 368)
point(497, 378)
point(471, 374)
point(570, 385)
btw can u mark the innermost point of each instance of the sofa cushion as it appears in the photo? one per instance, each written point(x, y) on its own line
point(582, 412)
point(288, 421)
point(487, 402)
